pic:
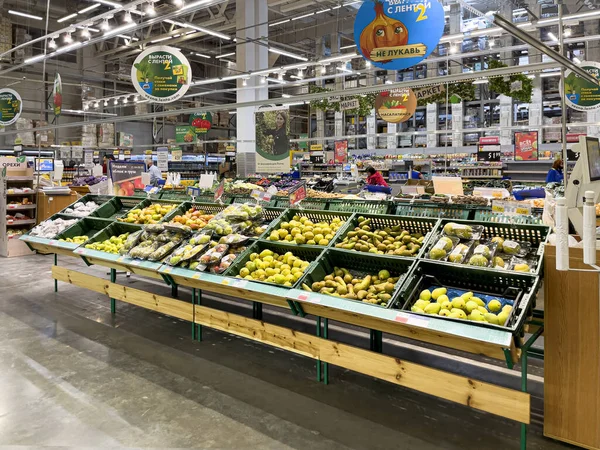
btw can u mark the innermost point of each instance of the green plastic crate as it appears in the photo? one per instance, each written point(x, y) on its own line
point(359, 264)
point(444, 211)
point(536, 235)
point(522, 288)
point(98, 199)
point(359, 206)
point(250, 199)
point(314, 216)
point(307, 203)
point(173, 194)
point(88, 226)
point(114, 229)
point(491, 216)
point(116, 207)
point(149, 201)
point(307, 253)
point(423, 225)
point(208, 208)
point(141, 194)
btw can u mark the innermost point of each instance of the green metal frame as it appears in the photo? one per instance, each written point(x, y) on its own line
point(524, 353)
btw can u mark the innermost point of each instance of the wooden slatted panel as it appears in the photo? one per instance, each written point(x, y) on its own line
point(486, 397)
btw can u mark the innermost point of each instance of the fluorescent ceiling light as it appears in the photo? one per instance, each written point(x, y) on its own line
point(551, 36)
point(95, 30)
point(296, 77)
point(68, 48)
point(206, 30)
point(70, 16)
point(161, 39)
point(576, 60)
point(202, 55)
point(279, 23)
point(347, 46)
point(286, 95)
point(232, 77)
point(343, 69)
point(127, 37)
point(304, 16)
point(275, 80)
point(194, 4)
point(264, 71)
point(119, 29)
point(481, 81)
point(224, 55)
point(34, 59)
point(284, 53)
point(89, 8)
point(580, 15)
point(549, 74)
point(22, 14)
point(547, 21)
point(485, 31)
point(339, 58)
point(109, 3)
point(453, 37)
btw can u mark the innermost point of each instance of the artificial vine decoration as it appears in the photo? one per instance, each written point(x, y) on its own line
point(466, 91)
point(366, 102)
point(500, 85)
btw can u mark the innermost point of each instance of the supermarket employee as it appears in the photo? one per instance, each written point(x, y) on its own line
point(375, 178)
point(555, 175)
point(155, 174)
point(416, 174)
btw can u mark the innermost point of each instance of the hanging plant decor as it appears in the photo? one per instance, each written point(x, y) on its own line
point(366, 102)
point(503, 85)
point(466, 91)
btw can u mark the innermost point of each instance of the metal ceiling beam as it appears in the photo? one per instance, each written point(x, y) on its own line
point(520, 34)
point(455, 78)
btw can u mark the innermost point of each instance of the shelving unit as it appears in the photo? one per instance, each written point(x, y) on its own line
point(16, 217)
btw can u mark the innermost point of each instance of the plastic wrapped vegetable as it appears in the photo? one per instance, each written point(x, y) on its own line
point(144, 250)
point(224, 264)
point(214, 255)
point(234, 239)
point(162, 251)
point(155, 228)
point(201, 238)
point(130, 242)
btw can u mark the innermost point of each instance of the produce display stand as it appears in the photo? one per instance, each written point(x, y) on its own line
point(495, 342)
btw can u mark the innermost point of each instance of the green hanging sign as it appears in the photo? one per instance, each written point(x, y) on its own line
point(201, 122)
point(161, 74)
point(11, 106)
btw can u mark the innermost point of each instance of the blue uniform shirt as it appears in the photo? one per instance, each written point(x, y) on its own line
point(554, 176)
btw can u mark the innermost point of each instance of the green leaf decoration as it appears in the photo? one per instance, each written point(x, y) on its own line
point(500, 85)
point(366, 102)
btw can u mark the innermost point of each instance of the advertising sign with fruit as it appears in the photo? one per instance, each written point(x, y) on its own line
point(185, 135)
point(272, 140)
point(526, 146)
point(126, 177)
point(298, 194)
point(200, 123)
point(57, 95)
point(396, 105)
point(11, 106)
point(580, 94)
point(161, 74)
point(341, 151)
point(397, 34)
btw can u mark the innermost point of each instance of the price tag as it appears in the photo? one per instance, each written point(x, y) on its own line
point(497, 194)
point(225, 281)
point(298, 193)
point(135, 262)
point(499, 207)
point(167, 270)
point(79, 251)
point(261, 196)
point(196, 276)
point(239, 283)
point(523, 210)
point(52, 243)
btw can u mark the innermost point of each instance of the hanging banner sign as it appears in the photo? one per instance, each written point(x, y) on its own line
point(162, 159)
point(176, 154)
point(429, 91)
point(397, 34)
point(220, 190)
point(200, 123)
point(57, 95)
point(298, 193)
point(349, 104)
point(341, 151)
point(161, 74)
point(580, 94)
point(185, 135)
point(526, 146)
point(126, 176)
point(396, 105)
point(11, 106)
point(272, 140)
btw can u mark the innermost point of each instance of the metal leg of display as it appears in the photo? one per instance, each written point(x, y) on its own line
point(257, 311)
point(524, 353)
point(376, 343)
point(174, 290)
point(55, 281)
point(194, 321)
point(113, 279)
point(199, 327)
point(322, 367)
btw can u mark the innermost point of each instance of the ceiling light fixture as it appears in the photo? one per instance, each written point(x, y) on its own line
point(263, 80)
point(34, 59)
point(323, 70)
point(224, 55)
point(204, 30)
point(150, 8)
point(552, 37)
point(52, 43)
point(178, 2)
point(160, 40)
point(70, 16)
point(105, 25)
point(127, 18)
point(482, 81)
point(576, 60)
point(22, 14)
point(119, 29)
point(244, 81)
point(105, 102)
point(339, 58)
point(285, 53)
point(347, 46)
point(68, 38)
point(125, 100)
point(286, 95)
point(95, 30)
point(109, 3)
point(280, 76)
point(194, 4)
point(343, 69)
point(549, 74)
point(85, 33)
point(567, 32)
point(276, 80)
point(115, 101)
point(280, 22)
point(89, 8)
point(303, 16)
point(201, 55)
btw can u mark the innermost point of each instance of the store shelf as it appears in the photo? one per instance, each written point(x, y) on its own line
point(18, 223)
point(19, 178)
point(21, 193)
point(19, 207)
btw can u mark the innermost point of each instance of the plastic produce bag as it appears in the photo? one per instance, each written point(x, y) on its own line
point(131, 242)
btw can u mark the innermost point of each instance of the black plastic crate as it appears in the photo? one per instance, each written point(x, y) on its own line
point(536, 235)
point(441, 210)
point(521, 288)
point(307, 253)
point(359, 264)
point(425, 226)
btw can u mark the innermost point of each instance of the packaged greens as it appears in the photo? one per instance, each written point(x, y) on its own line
point(130, 242)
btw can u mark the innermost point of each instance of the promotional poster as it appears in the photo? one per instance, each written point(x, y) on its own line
point(272, 140)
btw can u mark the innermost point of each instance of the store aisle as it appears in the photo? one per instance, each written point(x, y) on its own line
point(72, 376)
